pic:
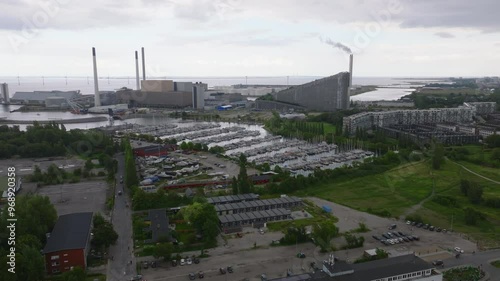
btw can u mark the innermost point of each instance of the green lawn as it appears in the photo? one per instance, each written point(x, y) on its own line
point(399, 189)
point(496, 263)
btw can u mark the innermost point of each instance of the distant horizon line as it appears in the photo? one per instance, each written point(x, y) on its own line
point(237, 76)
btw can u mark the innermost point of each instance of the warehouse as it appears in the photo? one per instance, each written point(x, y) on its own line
point(257, 217)
point(232, 198)
point(258, 205)
point(40, 97)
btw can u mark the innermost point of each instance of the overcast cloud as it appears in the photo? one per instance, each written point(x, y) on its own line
point(217, 37)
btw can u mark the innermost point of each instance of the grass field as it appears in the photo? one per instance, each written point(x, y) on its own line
point(496, 263)
point(397, 190)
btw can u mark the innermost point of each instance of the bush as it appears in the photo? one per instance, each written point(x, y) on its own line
point(445, 200)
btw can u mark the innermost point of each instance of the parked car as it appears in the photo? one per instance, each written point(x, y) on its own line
point(192, 276)
point(438, 229)
point(263, 277)
point(408, 222)
point(458, 250)
point(174, 262)
point(301, 255)
point(419, 225)
point(121, 181)
point(138, 277)
point(431, 228)
point(393, 226)
point(375, 237)
point(183, 262)
point(230, 269)
point(415, 237)
point(222, 270)
point(401, 233)
point(201, 274)
point(119, 192)
point(426, 226)
point(189, 261)
point(438, 263)
point(385, 236)
point(196, 260)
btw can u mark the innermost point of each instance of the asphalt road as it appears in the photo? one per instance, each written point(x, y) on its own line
point(120, 266)
point(478, 259)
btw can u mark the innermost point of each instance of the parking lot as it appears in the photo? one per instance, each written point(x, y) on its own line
point(429, 243)
point(250, 263)
point(89, 196)
point(26, 166)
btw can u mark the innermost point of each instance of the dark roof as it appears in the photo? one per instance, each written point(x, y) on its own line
point(159, 224)
point(301, 277)
point(383, 268)
point(72, 231)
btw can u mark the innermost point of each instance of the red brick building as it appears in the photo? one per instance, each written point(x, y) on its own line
point(69, 243)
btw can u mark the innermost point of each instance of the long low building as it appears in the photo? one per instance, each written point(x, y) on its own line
point(258, 217)
point(258, 205)
point(232, 198)
point(369, 120)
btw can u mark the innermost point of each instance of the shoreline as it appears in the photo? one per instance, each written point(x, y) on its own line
point(58, 121)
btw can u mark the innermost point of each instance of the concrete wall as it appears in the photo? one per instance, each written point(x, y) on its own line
point(157, 86)
point(327, 94)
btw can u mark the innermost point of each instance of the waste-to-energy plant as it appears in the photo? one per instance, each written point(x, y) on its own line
point(326, 94)
point(162, 93)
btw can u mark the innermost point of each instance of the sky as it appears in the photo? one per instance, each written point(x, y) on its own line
point(389, 38)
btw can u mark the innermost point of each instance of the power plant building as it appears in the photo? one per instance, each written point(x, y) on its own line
point(326, 94)
point(164, 93)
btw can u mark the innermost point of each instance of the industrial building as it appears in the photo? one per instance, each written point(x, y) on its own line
point(369, 120)
point(50, 98)
point(253, 218)
point(164, 93)
point(326, 94)
point(69, 243)
point(257, 205)
point(232, 198)
point(401, 268)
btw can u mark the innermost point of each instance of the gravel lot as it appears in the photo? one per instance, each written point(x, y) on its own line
point(87, 196)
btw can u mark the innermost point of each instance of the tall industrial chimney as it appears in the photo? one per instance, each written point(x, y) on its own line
point(97, 98)
point(350, 70)
point(143, 65)
point(5, 91)
point(137, 71)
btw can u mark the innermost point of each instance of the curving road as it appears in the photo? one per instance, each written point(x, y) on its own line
point(479, 259)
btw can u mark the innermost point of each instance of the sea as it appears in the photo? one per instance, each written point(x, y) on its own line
point(388, 88)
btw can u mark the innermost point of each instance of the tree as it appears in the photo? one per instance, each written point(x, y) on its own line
point(76, 274)
point(323, 233)
point(475, 194)
point(495, 155)
point(438, 157)
point(244, 184)
point(493, 141)
point(35, 216)
point(104, 234)
point(234, 186)
point(163, 250)
point(204, 219)
point(353, 241)
point(31, 264)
